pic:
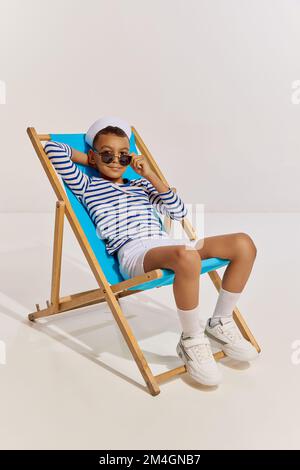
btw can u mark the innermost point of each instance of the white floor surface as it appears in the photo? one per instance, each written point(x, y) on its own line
point(71, 382)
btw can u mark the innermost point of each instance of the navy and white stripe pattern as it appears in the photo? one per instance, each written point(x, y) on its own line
point(121, 212)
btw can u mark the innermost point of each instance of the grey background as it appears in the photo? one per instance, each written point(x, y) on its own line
point(207, 83)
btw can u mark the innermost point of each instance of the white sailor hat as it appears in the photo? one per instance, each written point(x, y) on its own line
point(104, 122)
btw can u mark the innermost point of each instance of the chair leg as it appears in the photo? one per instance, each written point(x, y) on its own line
point(132, 343)
point(57, 254)
point(238, 318)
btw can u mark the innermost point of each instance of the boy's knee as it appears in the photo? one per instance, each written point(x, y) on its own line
point(187, 260)
point(245, 244)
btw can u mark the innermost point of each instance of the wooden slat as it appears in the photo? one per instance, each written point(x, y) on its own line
point(57, 253)
point(169, 374)
point(144, 151)
point(44, 137)
point(90, 297)
point(186, 225)
point(69, 302)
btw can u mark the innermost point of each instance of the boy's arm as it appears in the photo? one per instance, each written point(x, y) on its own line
point(60, 155)
point(79, 157)
point(157, 183)
point(160, 195)
point(167, 202)
point(164, 200)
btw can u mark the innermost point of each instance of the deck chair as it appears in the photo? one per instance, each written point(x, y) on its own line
point(111, 285)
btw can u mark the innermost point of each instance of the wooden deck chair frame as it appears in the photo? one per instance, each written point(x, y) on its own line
point(107, 292)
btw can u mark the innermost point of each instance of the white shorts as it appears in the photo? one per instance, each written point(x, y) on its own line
point(131, 255)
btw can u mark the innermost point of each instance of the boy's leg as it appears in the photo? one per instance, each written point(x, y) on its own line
point(241, 251)
point(186, 265)
point(239, 248)
point(193, 347)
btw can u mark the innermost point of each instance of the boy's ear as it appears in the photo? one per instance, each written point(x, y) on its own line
point(91, 159)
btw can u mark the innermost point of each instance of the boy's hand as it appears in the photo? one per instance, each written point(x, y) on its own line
point(140, 165)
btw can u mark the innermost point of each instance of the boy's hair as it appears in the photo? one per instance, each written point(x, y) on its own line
point(110, 130)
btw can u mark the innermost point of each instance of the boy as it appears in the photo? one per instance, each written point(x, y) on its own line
point(122, 212)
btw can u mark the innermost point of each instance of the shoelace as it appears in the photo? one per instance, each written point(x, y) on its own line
point(202, 350)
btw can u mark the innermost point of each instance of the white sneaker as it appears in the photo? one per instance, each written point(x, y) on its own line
point(230, 340)
point(199, 360)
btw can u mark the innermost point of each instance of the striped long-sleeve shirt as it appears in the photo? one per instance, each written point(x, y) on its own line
point(120, 211)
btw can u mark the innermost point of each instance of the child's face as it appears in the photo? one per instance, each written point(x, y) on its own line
point(115, 145)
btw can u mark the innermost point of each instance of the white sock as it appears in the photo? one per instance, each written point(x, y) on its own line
point(191, 322)
point(224, 306)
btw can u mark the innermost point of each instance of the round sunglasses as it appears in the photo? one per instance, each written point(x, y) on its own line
point(108, 157)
